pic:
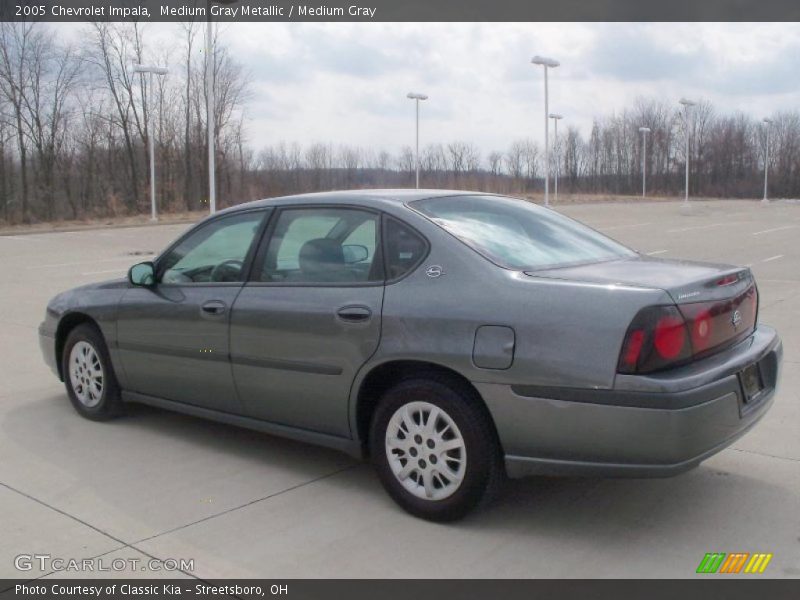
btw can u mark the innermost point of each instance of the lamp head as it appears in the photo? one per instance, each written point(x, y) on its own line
point(545, 61)
point(150, 69)
point(416, 96)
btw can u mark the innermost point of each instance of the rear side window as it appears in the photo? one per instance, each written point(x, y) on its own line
point(323, 246)
point(404, 248)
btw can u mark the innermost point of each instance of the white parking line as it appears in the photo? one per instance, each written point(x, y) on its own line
point(99, 272)
point(18, 238)
point(700, 227)
point(654, 252)
point(84, 262)
point(775, 229)
point(51, 233)
point(771, 258)
point(627, 226)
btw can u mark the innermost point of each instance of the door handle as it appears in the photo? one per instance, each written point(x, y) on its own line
point(354, 314)
point(214, 307)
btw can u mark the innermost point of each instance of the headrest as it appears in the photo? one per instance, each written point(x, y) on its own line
point(320, 256)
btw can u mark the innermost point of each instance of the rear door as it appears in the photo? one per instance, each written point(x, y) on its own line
point(309, 317)
point(173, 337)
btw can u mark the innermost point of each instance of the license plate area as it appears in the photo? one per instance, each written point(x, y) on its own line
point(752, 383)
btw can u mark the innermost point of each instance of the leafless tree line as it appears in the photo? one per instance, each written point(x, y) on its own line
point(726, 159)
point(75, 122)
point(75, 125)
point(726, 153)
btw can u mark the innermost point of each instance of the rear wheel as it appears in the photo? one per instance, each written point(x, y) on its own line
point(434, 448)
point(88, 375)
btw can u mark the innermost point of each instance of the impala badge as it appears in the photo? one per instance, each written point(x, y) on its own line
point(736, 318)
point(434, 271)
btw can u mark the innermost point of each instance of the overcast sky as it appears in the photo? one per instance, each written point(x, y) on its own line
point(346, 82)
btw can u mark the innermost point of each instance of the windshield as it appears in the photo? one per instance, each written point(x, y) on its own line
point(517, 234)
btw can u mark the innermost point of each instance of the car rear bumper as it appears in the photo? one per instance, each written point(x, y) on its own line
point(653, 426)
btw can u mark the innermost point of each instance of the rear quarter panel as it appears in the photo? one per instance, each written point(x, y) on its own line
point(566, 333)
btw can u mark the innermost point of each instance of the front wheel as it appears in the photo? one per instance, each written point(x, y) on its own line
point(89, 376)
point(434, 448)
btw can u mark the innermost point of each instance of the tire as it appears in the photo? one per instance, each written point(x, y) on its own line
point(89, 375)
point(412, 459)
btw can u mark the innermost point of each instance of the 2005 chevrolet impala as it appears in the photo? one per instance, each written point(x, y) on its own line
point(453, 337)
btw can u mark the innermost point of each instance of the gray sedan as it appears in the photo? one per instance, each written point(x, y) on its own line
point(454, 338)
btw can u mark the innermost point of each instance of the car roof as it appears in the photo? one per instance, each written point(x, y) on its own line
point(361, 197)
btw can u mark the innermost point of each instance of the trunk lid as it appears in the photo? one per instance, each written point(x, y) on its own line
point(685, 281)
point(719, 303)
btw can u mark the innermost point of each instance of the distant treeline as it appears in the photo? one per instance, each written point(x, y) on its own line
point(74, 131)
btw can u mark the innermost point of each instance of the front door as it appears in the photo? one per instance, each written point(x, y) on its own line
point(309, 318)
point(173, 337)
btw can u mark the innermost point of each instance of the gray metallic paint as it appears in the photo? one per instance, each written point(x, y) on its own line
point(599, 436)
point(298, 371)
point(293, 360)
point(169, 348)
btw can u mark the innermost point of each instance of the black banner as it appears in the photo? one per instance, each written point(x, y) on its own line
point(317, 589)
point(400, 10)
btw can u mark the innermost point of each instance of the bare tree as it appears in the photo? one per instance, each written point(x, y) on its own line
point(18, 44)
point(115, 47)
point(52, 76)
point(495, 159)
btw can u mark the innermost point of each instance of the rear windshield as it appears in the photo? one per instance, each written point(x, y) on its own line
point(516, 234)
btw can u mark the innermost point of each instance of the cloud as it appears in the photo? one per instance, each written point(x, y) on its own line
point(776, 76)
point(632, 54)
point(713, 59)
point(347, 81)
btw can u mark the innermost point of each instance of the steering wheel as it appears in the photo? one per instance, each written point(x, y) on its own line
point(219, 273)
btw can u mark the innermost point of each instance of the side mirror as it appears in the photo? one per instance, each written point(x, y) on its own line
point(142, 274)
point(354, 253)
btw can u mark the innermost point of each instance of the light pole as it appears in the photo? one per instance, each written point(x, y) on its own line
point(686, 104)
point(416, 97)
point(547, 63)
point(556, 118)
point(767, 126)
point(645, 131)
point(210, 102)
point(152, 71)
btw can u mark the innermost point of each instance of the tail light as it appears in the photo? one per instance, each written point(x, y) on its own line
point(657, 338)
point(666, 336)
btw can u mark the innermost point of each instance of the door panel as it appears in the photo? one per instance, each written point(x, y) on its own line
point(171, 348)
point(295, 357)
point(174, 337)
point(311, 317)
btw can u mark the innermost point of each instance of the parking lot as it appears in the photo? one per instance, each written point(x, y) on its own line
point(244, 504)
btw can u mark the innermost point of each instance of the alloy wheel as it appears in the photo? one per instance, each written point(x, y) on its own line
point(86, 374)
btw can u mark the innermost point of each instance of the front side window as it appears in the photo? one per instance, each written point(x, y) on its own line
point(323, 245)
point(214, 253)
point(516, 234)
